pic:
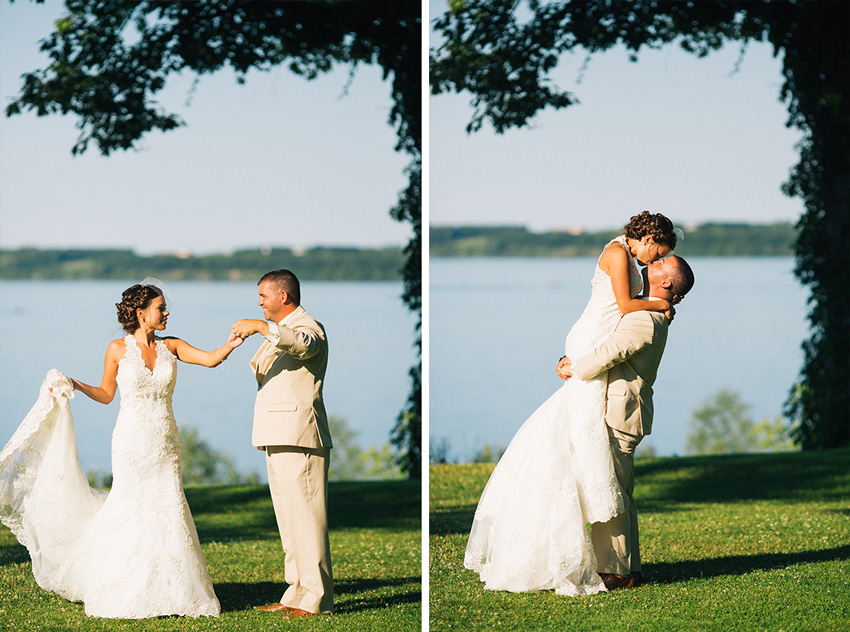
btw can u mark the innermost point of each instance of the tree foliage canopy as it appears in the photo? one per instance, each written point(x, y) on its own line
point(110, 58)
point(502, 52)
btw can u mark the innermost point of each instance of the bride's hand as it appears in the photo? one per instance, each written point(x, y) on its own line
point(563, 368)
point(234, 341)
point(670, 312)
point(73, 386)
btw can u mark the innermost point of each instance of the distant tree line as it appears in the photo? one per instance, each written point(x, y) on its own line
point(705, 240)
point(314, 264)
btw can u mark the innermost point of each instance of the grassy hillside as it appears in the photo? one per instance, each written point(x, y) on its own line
point(375, 544)
point(743, 542)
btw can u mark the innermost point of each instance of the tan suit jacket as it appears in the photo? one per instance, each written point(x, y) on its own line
point(631, 355)
point(289, 409)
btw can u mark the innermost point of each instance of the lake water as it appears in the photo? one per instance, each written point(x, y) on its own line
point(497, 329)
point(68, 325)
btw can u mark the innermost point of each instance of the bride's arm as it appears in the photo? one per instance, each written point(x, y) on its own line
point(615, 263)
point(191, 355)
point(105, 393)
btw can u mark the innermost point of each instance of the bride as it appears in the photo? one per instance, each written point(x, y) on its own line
point(557, 475)
point(133, 552)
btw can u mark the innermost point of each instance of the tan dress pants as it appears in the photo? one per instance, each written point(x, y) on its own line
point(298, 480)
point(616, 542)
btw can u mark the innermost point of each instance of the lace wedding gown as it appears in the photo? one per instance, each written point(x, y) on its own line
point(557, 475)
point(132, 553)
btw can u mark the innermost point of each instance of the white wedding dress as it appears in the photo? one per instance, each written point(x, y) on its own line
point(132, 553)
point(530, 530)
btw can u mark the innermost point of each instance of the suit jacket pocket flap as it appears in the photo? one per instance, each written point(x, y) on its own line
point(617, 390)
point(282, 408)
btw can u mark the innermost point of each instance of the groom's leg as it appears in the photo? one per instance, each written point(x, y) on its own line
point(301, 476)
point(627, 444)
point(616, 542)
point(275, 466)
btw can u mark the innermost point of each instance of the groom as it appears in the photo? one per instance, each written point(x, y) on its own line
point(291, 426)
point(629, 357)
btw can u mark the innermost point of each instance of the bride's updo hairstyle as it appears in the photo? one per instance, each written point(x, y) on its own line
point(137, 297)
point(655, 225)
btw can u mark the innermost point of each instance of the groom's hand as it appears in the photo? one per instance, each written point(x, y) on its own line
point(563, 368)
point(248, 327)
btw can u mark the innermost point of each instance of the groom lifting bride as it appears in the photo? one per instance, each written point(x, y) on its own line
point(629, 358)
point(571, 462)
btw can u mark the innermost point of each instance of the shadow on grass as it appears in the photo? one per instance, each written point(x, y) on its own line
point(743, 477)
point(673, 572)
point(226, 513)
point(214, 499)
point(241, 596)
point(13, 554)
point(393, 505)
point(675, 484)
point(452, 522)
point(235, 597)
point(352, 504)
point(375, 504)
point(350, 598)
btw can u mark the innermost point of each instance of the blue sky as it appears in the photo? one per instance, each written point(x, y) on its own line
point(284, 161)
point(278, 161)
point(671, 133)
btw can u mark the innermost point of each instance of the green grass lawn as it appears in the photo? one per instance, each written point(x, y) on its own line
point(743, 542)
point(375, 546)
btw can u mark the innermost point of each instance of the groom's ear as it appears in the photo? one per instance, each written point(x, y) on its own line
point(284, 297)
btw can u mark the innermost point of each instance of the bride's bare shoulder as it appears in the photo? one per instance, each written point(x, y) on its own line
point(116, 347)
point(613, 247)
point(612, 254)
point(171, 343)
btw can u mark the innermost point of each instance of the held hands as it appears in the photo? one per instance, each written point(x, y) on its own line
point(563, 368)
point(248, 327)
point(234, 341)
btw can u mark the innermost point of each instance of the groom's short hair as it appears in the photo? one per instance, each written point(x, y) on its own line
point(284, 281)
point(681, 277)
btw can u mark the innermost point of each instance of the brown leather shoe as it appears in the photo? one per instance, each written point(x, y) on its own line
point(275, 607)
point(637, 576)
point(295, 613)
point(614, 582)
